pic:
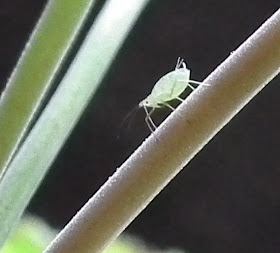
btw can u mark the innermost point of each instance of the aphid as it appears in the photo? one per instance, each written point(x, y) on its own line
point(167, 88)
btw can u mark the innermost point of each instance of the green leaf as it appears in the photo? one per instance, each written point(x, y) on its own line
point(48, 135)
point(39, 64)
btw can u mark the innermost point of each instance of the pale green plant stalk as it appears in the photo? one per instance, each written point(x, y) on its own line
point(182, 135)
point(37, 67)
point(41, 146)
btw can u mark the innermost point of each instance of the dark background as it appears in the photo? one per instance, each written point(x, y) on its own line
point(228, 197)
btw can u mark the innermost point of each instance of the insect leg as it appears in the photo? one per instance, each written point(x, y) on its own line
point(193, 88)
point(196, 82)
point(152, 126)
point(180, 99)
point(169, 106)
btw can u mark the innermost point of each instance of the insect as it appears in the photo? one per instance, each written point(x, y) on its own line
point(167, 88)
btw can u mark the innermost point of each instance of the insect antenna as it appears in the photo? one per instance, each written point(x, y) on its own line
point(128, 117)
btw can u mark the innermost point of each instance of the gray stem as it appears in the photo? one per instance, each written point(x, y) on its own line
point(183, 134)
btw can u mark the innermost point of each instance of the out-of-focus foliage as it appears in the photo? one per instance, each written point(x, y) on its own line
point(33, 235)
point(128, 244)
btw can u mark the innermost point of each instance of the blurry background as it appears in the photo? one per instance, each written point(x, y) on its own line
point(228, 197)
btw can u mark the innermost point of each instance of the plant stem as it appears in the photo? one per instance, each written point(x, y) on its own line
point(36, 70)
point(46, 138)
point(182, 135)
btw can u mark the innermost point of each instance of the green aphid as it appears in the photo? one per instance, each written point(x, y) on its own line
point(167, 88)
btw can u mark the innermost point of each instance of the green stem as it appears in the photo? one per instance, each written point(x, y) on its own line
point(39, 64)
point(33, 159)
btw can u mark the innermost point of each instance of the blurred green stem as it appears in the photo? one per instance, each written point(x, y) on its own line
point(39, 64)
point(48, 135)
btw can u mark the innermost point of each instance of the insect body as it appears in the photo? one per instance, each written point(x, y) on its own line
point(167, 88)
